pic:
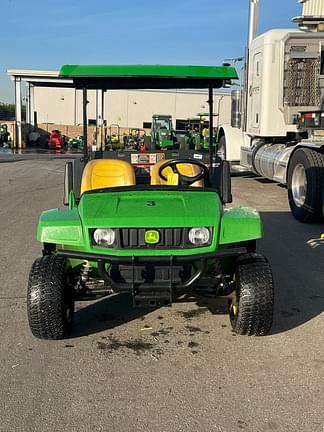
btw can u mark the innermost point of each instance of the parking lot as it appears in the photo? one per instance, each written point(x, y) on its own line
point(172, 369)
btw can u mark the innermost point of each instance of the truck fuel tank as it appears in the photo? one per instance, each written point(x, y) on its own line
point(271, 160)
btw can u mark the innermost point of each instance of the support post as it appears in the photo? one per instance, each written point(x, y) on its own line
point(103, 129)
point(211, 126)
point(28, 105)
point(18, 140)
point(85, 126)
point(75, 107)
point(31, 106)
point(99, 118)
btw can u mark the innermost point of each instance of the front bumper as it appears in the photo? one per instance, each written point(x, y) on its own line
point(96, 257)
point(152, 293)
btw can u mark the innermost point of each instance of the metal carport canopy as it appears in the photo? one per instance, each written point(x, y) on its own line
point(147, 76)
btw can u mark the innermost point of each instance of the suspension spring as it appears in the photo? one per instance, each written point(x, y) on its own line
point(85, 271)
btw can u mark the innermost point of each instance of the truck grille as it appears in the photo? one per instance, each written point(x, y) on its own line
point(134, 238)
point(301, 84)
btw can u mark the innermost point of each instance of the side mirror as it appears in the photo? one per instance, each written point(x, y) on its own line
point(226, 185)
point(72, 179)
point(221, 179)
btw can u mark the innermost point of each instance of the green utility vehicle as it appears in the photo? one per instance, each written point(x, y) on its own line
point(197, 132)
point(135, 139)
point(193, 135)
point(153, 224)
point(161, 133)
point(113, 138)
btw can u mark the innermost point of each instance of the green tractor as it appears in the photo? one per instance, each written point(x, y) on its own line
point(75, 143)
point(193, 133)
point(161, 133)
point(156, 233)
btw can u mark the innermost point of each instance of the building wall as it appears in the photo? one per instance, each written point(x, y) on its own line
point(313, 7)
point(129, 109)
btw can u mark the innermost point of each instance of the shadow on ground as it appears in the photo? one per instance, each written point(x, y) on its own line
point(105, 314)
point(296, 254)
point(113, 311)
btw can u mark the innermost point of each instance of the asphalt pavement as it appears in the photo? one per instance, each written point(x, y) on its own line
point(177, 368)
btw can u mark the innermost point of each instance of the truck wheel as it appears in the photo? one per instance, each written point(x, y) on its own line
point(50, 302)
point(221, 151)
point(305, 185)
point(252, 302)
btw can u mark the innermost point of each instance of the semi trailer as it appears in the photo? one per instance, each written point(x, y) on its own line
point(277, 121)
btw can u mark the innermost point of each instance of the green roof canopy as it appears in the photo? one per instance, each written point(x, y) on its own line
point(147, 76)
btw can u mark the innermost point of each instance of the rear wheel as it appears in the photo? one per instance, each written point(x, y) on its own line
point(251, 304)
point(50, 300)
point(305, 185)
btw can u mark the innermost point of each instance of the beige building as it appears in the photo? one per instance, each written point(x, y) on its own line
point(51, 100)
point(128, 109)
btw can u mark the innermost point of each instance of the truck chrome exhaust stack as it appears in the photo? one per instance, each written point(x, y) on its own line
point(236, 108)
point(253, 20)
point(252, 32)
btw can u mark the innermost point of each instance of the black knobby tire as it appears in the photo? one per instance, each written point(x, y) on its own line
point(253, 297)
point(50, 302)
point(313, 163)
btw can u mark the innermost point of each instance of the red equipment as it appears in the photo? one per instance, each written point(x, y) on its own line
point(56, 140)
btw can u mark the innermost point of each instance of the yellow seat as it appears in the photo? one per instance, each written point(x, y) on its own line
point(186, 169)
point(105, 173)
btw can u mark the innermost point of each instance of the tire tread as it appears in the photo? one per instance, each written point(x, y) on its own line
point(256, 296)
point(47, 298)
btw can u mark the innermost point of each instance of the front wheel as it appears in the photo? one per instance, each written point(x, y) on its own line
point(252, 301)
point(305, 185)
point(50, 300)
point(221, 150)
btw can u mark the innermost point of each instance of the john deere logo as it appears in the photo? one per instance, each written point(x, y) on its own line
point(152, 237)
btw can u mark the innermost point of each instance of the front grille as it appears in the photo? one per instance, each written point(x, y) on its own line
point(134, 238)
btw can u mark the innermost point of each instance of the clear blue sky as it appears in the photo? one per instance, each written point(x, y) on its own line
point(44, 34)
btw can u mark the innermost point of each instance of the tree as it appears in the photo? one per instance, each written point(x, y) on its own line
point(7, 111)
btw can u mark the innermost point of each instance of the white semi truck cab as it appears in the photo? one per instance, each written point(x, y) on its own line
point(277, 127)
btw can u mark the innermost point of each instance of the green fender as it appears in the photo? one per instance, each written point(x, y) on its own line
point(60, 227)
point(240, 224)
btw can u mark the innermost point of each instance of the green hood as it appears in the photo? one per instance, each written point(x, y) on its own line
point(150, 209)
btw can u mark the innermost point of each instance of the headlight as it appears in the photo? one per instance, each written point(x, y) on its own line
point(104, 236)
point(199, 236)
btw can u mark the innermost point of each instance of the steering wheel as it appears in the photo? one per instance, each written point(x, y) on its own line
point(183, 179)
